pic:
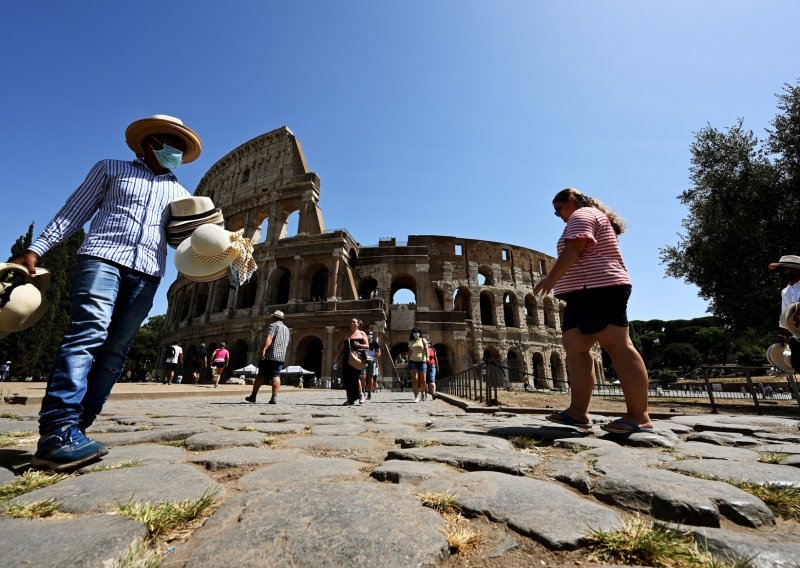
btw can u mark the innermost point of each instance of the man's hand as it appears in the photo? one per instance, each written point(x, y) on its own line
point(28, 259)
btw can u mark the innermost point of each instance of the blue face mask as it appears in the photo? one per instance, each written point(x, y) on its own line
point(416, 335)
point(169, 157)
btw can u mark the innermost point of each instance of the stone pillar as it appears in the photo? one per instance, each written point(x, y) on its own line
point(330, 352)
point(333, 279)
point(294, 289)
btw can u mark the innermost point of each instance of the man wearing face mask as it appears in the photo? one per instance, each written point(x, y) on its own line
point(120, 266)
point(789, 270)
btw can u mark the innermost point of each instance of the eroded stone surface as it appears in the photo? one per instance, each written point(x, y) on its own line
point(403, 471)
point(516, 463)
point(756, 472)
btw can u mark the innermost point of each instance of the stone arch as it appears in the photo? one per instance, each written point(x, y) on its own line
point(239, 354)
point(445, 361)
point(485, 276)
point(462, 301)
point(531, 310)
point(539, 378)
point(555, 370)
point(221, 296)
point(487, 308)
point(510, 312)
point(278, 286)
point(290, 224)
point(439, 293)
point(515, 366)
point(490, 354)
point(352, 257)
point(403, 282)
point(246, 294)
point(549, 313)
point(309, 354)
point(318, 276)
point(201, 300)
point(367, 288)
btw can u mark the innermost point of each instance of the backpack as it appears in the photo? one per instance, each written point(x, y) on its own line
point(171, 352)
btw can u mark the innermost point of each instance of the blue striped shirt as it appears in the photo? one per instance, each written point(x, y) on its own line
point(132, 209)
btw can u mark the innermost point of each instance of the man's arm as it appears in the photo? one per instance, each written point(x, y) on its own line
point(267, 343)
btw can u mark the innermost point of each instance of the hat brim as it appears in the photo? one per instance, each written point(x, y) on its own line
point(212, 217)
point(775, 265)
point(777, 358)
point(141, 129)
point(193, 265)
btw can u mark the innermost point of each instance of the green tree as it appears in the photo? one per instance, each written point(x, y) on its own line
point(741, 216)
point(145, 347)
point(681, 356)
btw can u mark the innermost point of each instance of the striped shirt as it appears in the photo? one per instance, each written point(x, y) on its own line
point(600, 264)
point(280, 341)
point(130, 206)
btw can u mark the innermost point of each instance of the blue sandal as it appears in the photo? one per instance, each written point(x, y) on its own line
point(625, 426)
point(561, 417)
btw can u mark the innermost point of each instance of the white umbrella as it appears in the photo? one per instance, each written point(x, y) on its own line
point(296, 370)
point(249, 369)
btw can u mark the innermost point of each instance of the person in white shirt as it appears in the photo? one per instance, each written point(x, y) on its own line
point(789, 269)
point(173, 359)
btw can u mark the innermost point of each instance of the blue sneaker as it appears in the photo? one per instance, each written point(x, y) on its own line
point(66, 448)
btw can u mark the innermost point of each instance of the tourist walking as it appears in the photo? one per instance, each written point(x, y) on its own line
point(590, 276)
point(273, 356)
point(199, 363)
point(5, 370)
point(417, 362)
point(119, 268)
point(219, 360)
point(173, 359)
point(356, 341)
point(433, 368)
point(370, 374)
point(789, 270)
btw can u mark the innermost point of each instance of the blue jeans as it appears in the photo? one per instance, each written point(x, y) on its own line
point(109, 303)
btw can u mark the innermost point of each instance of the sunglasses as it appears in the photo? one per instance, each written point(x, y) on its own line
point(557, 208)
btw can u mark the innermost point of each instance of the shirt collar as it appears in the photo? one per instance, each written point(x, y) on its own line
point(141, 163)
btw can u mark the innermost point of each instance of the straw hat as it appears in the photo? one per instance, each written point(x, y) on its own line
point(787, 319)
point(206, 255)
point(22, 299)
point(163, 124)
point(278, 314)
point(786, 261)
point(189, 213)
point(780, 356)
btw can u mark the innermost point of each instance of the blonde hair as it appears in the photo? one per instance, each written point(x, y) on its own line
point(583, 200)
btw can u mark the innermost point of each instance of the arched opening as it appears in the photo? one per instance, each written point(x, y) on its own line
point(239, 351)
point(487, 309)
point(319, 285)
point(185, 305)
point(445, 364)
point(531, 310)
point(261, 233)
point(439, 293)
point(494, 374)
point(549, 313)
point(561, 307)
point(246, 294)
point(289, 228)
point(352, 258)
point(539, 379)
point(367, 289)
point(221, 296)
point(485, 276)
point(555, 370)
point(404, 290)
point(309, 356)
point(510, 310)
point(279, 283)
point(462, 302)
point(514, 367)
point(201, 300)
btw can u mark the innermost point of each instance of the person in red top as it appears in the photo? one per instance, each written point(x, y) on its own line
point(433, 369)
point(219, 360)
point(591, 278)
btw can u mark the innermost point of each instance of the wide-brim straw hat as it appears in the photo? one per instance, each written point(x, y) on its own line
point(786, 261)
point(278, 314)
point(163, 124)
point(22, 299)
point(787, 318)
point(189, 213)
point(206, 255)
point(780, 356)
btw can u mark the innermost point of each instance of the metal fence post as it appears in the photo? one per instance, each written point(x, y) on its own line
point(710, 396)
point(752, 390)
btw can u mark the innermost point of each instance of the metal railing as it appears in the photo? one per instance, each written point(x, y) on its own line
point(479, 383)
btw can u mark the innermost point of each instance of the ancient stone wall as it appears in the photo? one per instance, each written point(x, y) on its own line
point(472, 298)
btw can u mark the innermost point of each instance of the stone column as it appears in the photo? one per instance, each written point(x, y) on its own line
point(333, 278)
point(330, 352)
point(294, 289)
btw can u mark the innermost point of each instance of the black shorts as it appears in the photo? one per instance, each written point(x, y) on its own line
point(171, 366)
point(269, 369)
point(591, 310)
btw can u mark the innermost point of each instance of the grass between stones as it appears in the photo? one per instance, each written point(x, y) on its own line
point(441, 502)
point(29, 481)
point(524, 442)
point(9, 416)
point(168, 520)
point(773, 457)
point(270, 440)
point(120, 465)
point(36, 510)
point(245, 429)
point(10, 439)
point(139, 556)
point(174, 443)
point(461, 537)
point(424, 443)
point(783, 501)
point(640, 543)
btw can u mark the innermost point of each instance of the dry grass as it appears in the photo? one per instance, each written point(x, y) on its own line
point(245, 429)
point(461, 537)
point(175, 443)
point(773, 457)
point(9, 416)
point(270, 440)
point(120, 465)
point(524, 442)
point(11, 439)
point(168, 520)
point(29, 481)
point(139, 556)
point(441, 502)
point(783, 501)
point(36, 510)
point(424, 443)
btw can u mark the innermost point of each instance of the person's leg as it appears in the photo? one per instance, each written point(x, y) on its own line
point(581, 372)
point(414, 382)
point(276, 388)
point(630, 369)
point(133, 303)
point(259, 380)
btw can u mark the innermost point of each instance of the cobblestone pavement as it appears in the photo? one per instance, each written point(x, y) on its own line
point(309, 482)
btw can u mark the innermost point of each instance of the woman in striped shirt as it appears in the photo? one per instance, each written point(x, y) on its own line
point(591, 278)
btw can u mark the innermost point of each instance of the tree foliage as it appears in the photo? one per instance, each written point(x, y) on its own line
point(741, 216)
point(145, 347)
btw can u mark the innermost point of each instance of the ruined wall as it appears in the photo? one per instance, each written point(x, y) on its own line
point(473, 298)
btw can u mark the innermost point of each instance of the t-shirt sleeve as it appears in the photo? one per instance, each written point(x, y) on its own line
point(581, 225)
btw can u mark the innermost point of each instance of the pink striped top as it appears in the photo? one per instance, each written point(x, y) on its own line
point(600, 264)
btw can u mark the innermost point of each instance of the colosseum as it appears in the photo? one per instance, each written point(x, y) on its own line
point(473, 298)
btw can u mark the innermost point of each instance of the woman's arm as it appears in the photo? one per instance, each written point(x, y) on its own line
point(572, 250)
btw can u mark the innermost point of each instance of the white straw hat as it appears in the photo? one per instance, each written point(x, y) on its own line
point(787, 318)
point(206, 254)
point(22, 299)
point(780, 356)
point(189, 213)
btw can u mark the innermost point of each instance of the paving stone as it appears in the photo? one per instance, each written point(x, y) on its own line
point(304, 471)
point(584, 443)
point(747, 429)
point(403, 471)
point(786, 448)
point(724, 439)
point(715, 452)
point(144, 454)
point(540, 509)
point(332, 443)
point(515, 463)
point(768, 422)
point(574, 472)
point(611, 459)
point(170, 434)
point(7, 425)
point(6, 476)
point(544, 432)
point(458, 438)
point(672, 426)
point(755, 472)
point(674, 497)
point(338, 429)
point(658, 439)
point(283, 427)
point(102, 491)
point(223, 439)
point(793, 460)
point(775, 437)
point(88, 542)
point(334, 524)
point(242, 456)
point(727, 546)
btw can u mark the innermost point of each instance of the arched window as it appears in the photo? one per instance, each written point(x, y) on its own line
point(319, 285)
point(462, 301)
point(201, 300)
point(367, 289)
point(531, 310)
point(510, 310)
point(487, 309)
point(246, 294)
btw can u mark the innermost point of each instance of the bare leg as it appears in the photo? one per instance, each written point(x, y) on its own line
point(581, 372)
point(630, 369)
point(276, 388)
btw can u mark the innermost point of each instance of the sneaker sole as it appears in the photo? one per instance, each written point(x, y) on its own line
point(40, 463)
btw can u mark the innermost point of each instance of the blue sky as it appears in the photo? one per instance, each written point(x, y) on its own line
point(450, 117)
